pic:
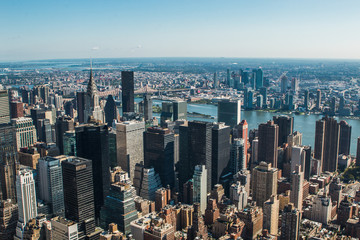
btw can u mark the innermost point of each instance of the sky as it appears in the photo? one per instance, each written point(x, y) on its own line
point(34, 30)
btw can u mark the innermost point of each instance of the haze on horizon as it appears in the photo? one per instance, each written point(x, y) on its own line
point(33, 30)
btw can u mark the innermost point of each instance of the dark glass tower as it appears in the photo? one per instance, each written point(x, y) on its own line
point(345, 138)
point(80, 100)
point(127, 81)
point(62, 125)
point(79, 194)
point(111, 111)
point(286, 127)
point(259, 79)
point(92, 142)
point(268, 142)
point(159, 153)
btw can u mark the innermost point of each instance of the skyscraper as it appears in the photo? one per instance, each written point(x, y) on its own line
point(327, 135)
point(216, 81)
point(25, 132)
point(92, 143)
point(271, 215)
point(290, 223)
point(180, 110)
point(228, 77)
point(318, 99)
point(345, 138)
point(294, 85)
point(4, 107)
point(263, 92)
point(63, 124)
point(259, 78)
point(268, 143)
point(16, 110)
point(264, 182)
point(79, 194)
point(130, 150)
point(127, 83)
point(358, 152)
point(92, 105)
point(297, 183)
point(80, 101)
point(111, 111)
point(229, 112)
point(241, 131)
point(306, 100)
point(159, 153)
point(220, 151)
point(26, 199)
point(286, 126)
point(200, 186)
point(284, 83)
point(237, 156)
point(148, 111)
point(51, 184)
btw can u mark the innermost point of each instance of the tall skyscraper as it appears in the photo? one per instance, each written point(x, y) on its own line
point(8, 161)
point(358, 152)
point(180, 110)
point(306, 100)
point(51, 184)
point(216, 81)
point(259, 79)
point(127, 83)
point(220, 151)
point(286, 126)
point(237, 156)
point(290, 223)
point(111, 111)
point(241, 131)
point(271, 215)
point(92, 142)
point(26, 199)
point(130, 150)
point(63, 124)
point(25, 132)
point(264, 182)
point(327, 135)
point(333, 106)
point(345, 138)
point(318, 99)
point(92, 105)
point(294, 85)
point(268, 143)
point(284, 83)
point(159, 153)
point(44, 130)
point(148, 111)
point(79, 194)
point(4, 107)
point(228, 77)
point(229, 112)
point(42, 91)
point(297, 183)
point(200, 186)
point(80, 103)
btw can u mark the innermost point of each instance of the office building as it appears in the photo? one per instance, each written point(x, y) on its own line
point(146, 181)
point(263, 92)
point(259, 78)
point(295, 139)
point(63, 229)
point(51, 184)
point(297, 183)
point(345, 138)
point(264, 182)
point(42, 92)
point(92, 142)
point(111, 111)
point(159, 153)
point(92, 105)
point(229, 112)
point(69, 143)
point(290, 223)
point(8, 162)
point(79, 194)
point(237, 156)
point(130, 146)
point(294, 84)
point(148, 111)
point(173, 111)
point(241, 131)
point(4, 107)
point(25, 132)
point(318, 99)
point(216, 81)
point(62, 125)
point(306, 100)
point(220, 151)
point(200, 186)
point(286, 127)
point(268, 143)
point(127, 83)
point(16, 110)
point(239, 195)
point(320, 210)
point(284, 83)
point(271, 215)
point(298, 156)
point(8, 219)
point(259, 102)
point(327, 136)
point(197, 230)
point(119, 207)
point(358, 152)
point(44, 130)
point(80, 101)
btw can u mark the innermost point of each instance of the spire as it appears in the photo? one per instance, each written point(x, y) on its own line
point(91, 88)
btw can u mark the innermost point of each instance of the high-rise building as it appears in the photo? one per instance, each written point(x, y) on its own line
point(8, 219)
point(290, 223)
point(298, 156)
point(239, 195)
point(268, 143)
point(44, 130)
point(148, 111)
point(130, 150)
point(69, 141)
point(173, 111)
point(263, 92)
point(318, 99)
point(297, 183)
point(286, 127)
point(358, 152)
point(8, 161)
point(237, 156)
point(63, 229)
point(92, 105)
point(241, 131)
point(228, 77)
point(51, 184)
point(259, 78)
point(284, 83)
point(294, 85)
point(229, 112)
point(127, 83)
point(111, 111)
point(306, 100)
point(333, 106)
point(146, 181)
point(42, 91)
point(220, 151)
point(327, 135)
point(92, 142)
point(200, 186)
point(25, 132)
point(264, 182)
point(79, 194)
point(197, 230)
point(80, 100)
point(216, 81)
point(271, 215)
point(345, 138)
point(62, 125)
point(4, 107)
point(159, 153)
point(26, 199)
point(119, 207)
point(16, 110)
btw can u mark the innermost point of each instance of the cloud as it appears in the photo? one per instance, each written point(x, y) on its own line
point(95, 48)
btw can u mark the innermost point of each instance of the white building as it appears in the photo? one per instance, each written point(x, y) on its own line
point(238, 195)
point(63, 229)
point(200, 187)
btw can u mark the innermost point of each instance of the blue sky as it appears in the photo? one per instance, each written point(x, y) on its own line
point(183, 28)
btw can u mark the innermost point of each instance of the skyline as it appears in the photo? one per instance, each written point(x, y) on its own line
point(40, 30)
